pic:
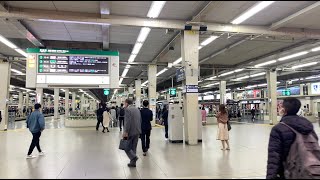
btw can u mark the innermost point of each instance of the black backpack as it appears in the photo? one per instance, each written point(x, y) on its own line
point(121, 112)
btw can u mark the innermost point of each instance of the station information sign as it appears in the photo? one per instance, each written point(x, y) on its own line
point(72, 68)
point(72, 64)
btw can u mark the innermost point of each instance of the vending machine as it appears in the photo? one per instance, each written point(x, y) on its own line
point(175, 123)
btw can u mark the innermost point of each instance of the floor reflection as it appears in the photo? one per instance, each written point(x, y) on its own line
point(51, 123)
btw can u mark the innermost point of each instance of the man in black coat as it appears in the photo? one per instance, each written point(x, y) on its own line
point(147, 117)
point(281, 137)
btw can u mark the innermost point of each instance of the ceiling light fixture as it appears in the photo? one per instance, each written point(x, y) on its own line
point(131, 58)
point(162, 71)
point(155, 9)
point(258, 74)
point(315, 49)
point(208, 40)
point(244, 77)
point(304, 65)
point(238, 70)
point(143, 34)
point(177, 61)
point(136, 48)
point(266, 63)
point(7, 42)
point(225, 74)
point(252, 11)
point(293, 55)
point(17, 71)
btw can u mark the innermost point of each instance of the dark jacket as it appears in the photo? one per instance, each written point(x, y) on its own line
point(100, 114)
point(281, 138)
point(165, 116)
point(147, 116)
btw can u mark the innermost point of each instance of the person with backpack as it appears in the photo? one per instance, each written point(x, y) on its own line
point(121, 117)
point(293, 150)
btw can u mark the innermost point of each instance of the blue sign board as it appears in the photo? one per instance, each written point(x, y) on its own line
point(192, 89)
point(180, 74)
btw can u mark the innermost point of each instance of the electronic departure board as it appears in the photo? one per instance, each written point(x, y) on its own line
point(73, 64)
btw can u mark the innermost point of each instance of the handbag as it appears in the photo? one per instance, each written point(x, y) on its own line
point(229, 126)
point(124, 144)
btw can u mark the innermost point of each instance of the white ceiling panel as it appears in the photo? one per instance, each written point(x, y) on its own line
point(308, 20)
point(225, 11)
point(7, 30)
point(247, 51)
point(78, 6)
point(5, 50)
point(124, 34)
point(154, 43)
point(130, 8)
point(46, 5)
point(277, 11)
point(183, 10)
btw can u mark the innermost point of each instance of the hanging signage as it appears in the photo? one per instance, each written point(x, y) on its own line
point(106, 92)
point(172, 91)
point(191, 89)
point(180, 74)
point(315, 88)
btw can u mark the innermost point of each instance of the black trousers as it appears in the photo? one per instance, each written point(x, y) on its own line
point(35, 142)
point(145, 140)
point(98, 124)
point(121, 122)
point(166, 128)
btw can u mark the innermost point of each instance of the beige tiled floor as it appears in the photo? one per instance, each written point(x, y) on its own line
point(85, 153)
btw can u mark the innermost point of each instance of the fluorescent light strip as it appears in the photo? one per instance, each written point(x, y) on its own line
point(304, 65)
point(177, 61)
point(315, 49)
point(208, 40)
point(162, 71)
point(131, 58)
point(213, 84)
point(76, 22)
point(155, 9)
point(18, 72)
point(120, 82)
point(7, 42)
point(266, 63)
point(136, 48)
point(124, 73)
point(260, 85)
point(143, 34)
point(21, 52)
point(200, 47)
point(225, 74)
point(258, 74)
point(244, 77)
point(143, 84)
point(211, 78)
point(252, 11)
point(238, 70)
point(293, 55)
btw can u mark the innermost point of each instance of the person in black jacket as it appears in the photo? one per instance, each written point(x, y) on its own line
point(147, 116)
point(100, 111)
point(281, 137)
point(165, 120)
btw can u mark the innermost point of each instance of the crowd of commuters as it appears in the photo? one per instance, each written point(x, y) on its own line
point(293, 150)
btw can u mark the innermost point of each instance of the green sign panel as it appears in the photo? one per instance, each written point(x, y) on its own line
point(286, 92)
point(106, 92)
point(72, 51)
point(172, 91)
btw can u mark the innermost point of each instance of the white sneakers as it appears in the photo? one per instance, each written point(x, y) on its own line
point(32, 156)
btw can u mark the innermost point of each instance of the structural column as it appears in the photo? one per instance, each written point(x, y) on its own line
point(179, 97)
point(56, 103)
point(39, 96)
point(272, 96)
point(27, 100)
point(152, 90)
point(222, 89)
point(82, 103)
point(190, 61)
point(66, 104)
point(138, 92)
point(73, 103)
point(4, 93)
point(20, 105)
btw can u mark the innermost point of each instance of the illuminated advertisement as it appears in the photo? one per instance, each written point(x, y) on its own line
point(315, 88)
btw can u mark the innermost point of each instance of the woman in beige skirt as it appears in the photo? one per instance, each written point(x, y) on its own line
point(223, 133)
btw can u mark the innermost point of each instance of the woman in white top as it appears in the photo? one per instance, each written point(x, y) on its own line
point(106, 120)
point(223, 133)
point(113, 115)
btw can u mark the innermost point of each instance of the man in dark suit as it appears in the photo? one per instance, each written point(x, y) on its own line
point(147, 116)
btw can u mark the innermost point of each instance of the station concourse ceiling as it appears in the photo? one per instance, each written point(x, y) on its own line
point(229, 51)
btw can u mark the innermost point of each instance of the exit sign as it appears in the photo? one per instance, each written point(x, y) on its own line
point(172, 91)
point(106, 92)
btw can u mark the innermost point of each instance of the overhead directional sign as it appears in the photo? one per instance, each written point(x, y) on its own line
point(106, 92)
point(172, 91)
